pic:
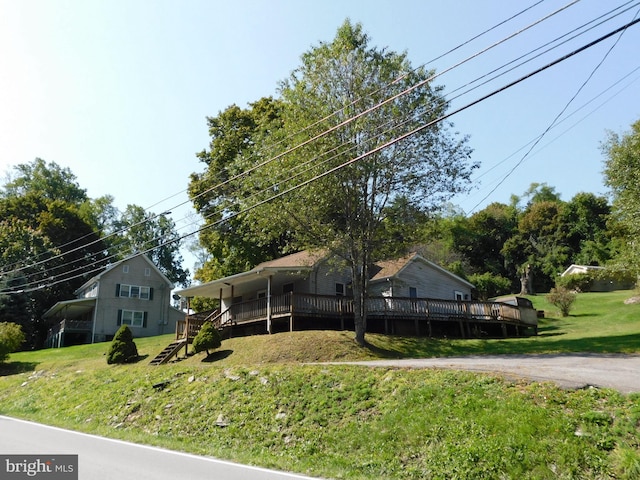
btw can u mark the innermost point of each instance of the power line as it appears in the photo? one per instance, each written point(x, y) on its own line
point(564, 109)
point(386, 145)
point(322, 134)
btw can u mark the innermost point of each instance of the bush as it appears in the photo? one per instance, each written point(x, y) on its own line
point(123, 349)
point(208, 338)
point(489, 285)
point(11, 338)
point(579, 282)
point(562, 298)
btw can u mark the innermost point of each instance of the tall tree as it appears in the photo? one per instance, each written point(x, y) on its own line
point(237, 139)
point(156, 236)
point(47, 245)
point(583, 226)
point(622, 176)
point(335, 119)
point(480, 238)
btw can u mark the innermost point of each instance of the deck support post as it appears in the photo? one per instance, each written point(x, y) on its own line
point(504, 330)
point(269, 304)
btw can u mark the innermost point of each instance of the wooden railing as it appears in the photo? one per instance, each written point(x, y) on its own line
point(71, 325)
point(386, 307)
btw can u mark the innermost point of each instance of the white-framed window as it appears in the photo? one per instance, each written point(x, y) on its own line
point(132, 318)
point(262, 294)
point(458, 295)
point(134, 291)
point(340, 289)
point(147, 272)
point(125, 269)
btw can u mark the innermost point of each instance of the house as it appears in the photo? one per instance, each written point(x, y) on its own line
point(131, 292)
point(312, 290)
point(601, 279)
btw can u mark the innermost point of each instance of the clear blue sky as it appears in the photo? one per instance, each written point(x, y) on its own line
point(118, 91)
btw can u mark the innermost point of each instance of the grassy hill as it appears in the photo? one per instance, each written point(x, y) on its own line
point(254, 401)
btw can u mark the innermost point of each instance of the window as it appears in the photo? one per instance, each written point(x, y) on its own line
point(134, 291)
point(125, 268)
point(413, 292)
point(262, 294)
point(459, 295)
point(147, 272)
point(133, 318)
point(339, 289)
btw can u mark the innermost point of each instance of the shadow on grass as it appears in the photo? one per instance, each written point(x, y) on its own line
point(415, 347)
point(14, 368)
point(217, 356)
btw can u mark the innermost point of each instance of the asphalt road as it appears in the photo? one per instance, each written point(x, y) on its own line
point(104, 459)
point(619, 372)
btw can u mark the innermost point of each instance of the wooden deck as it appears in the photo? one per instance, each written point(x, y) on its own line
point(419, 316)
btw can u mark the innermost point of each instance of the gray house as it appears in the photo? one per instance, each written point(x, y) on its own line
point(313, 290)
point(131, 292)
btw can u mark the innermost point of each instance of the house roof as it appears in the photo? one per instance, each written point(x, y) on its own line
point(573, 268)
point(387, 269)
point(97, 277)
point(296, 264)
point(71, 308)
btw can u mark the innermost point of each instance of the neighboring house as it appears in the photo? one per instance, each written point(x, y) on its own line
point(132, 292)
point(574, 269)
point(602, 282)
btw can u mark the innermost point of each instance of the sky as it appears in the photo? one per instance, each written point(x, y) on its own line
point(118, 91)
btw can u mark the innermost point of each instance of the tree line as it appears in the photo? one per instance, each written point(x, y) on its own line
point(354, 155)
point(54, 238)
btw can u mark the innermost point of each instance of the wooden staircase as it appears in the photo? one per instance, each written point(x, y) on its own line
point(169, 352)
point(186, 332)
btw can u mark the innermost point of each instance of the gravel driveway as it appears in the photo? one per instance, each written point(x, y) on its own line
point(619, 372)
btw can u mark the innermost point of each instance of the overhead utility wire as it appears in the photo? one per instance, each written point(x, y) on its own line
point(571, 115)
point(564, 109)
point(336, 126)
point(392, 142)
point(277, 184)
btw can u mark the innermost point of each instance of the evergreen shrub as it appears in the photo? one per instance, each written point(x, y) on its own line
point(123, 349)
point(207, 338)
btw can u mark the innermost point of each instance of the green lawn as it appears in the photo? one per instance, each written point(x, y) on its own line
point(348, 421)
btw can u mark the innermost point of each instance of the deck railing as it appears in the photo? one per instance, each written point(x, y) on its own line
point(387, 307)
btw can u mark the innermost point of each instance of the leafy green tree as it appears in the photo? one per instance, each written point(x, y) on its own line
point(326, 97)
point(46, 240)
point(208, 338)
point(480, 238)
point(584, 229)
point(489, 285)
point(48, 181)
point(11, 338)
point(122, 349)
point(622, 176)
point(143, 231)
point(237, 138)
